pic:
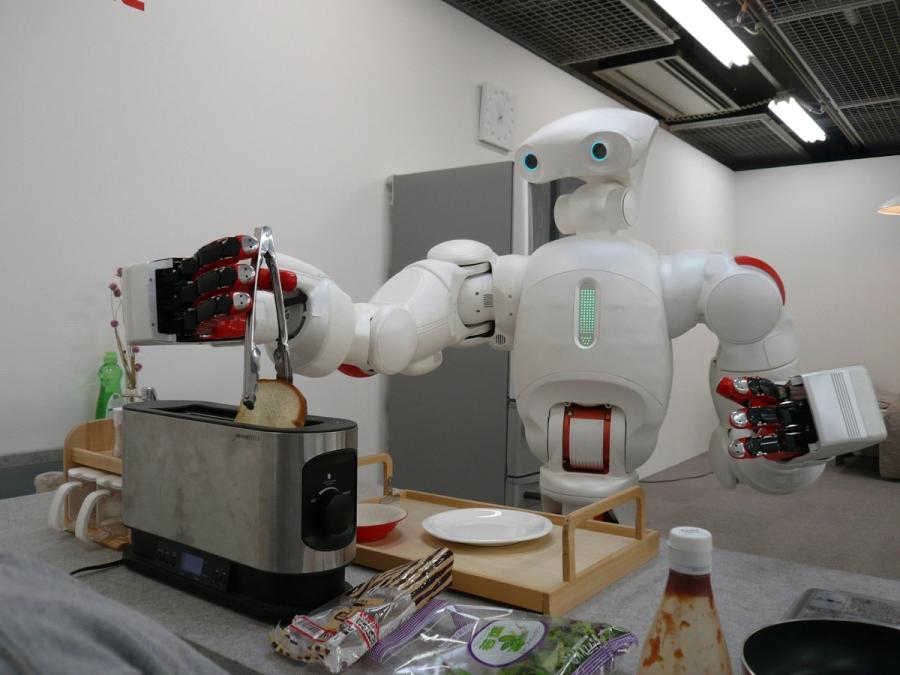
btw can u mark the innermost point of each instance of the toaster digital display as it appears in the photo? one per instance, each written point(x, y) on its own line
point(191, 564)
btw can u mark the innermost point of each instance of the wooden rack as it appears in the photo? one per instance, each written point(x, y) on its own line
point(91, 444)
point(551, 575)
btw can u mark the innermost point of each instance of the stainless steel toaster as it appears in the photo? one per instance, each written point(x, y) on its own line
point(260, 519)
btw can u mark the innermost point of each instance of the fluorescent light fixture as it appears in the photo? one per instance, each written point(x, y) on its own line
point(891, 207)
point(797, 119)
point(700, 21)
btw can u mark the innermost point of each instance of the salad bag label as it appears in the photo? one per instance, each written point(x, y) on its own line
point(501, 643)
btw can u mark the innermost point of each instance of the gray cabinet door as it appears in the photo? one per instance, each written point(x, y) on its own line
point(447, 429)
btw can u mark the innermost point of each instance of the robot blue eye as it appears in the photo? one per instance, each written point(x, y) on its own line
point(598, 151)
point(530, 161)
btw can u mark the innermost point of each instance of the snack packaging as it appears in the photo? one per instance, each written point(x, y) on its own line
point(340, 632)
point(458, 639)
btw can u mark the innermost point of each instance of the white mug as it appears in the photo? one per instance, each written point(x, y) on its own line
point(69, 497)
point(103, 509)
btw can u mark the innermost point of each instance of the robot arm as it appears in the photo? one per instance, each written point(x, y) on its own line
point(461, 295)
point(774, 437)
point(451, 299)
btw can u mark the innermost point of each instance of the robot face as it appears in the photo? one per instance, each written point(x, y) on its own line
point(594, 145)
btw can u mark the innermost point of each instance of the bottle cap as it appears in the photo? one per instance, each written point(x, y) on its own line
point(690, 550)
point(109, 358)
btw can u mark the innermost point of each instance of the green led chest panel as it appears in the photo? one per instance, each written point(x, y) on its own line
point(587, 315)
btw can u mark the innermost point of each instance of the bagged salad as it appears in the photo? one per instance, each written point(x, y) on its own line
point(458, 639)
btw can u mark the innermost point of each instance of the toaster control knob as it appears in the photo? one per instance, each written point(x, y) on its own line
point(337, 510)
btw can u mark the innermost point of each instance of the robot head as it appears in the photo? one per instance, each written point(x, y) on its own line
point(606, 148)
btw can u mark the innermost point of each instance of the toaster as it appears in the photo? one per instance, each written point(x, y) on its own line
point(262, 520)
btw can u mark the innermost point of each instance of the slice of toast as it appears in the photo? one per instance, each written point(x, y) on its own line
point(279, 404)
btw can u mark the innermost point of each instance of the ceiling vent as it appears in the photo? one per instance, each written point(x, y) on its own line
point(670, 87)
point(744, 140)
point(878, 124)
point(853, 50)
point(571, 31)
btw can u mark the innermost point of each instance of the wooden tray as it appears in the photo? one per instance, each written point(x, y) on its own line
point(91, 444)
point(580, 556)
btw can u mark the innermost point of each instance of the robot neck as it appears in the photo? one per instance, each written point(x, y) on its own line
point(595, 208)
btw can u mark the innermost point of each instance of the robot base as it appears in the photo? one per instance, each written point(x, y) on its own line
point(566, 491)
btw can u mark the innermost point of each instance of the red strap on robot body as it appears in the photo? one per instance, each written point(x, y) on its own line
point(765, 267)
point(354, 371)
point(573, 411)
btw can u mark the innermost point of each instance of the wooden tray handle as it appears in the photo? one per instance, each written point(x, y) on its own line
point(387, 474)
point(585, 513)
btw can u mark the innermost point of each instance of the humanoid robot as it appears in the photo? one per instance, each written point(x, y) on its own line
point(588, 319)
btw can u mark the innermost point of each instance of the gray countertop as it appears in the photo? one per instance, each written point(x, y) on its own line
point(751, 591)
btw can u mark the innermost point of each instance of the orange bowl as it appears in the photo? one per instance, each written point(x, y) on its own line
point(375, 521)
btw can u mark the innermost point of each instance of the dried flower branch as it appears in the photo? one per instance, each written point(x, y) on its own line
point(126, 352)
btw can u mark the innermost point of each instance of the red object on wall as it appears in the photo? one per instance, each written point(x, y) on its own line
point(136, 4)
point(765, 267)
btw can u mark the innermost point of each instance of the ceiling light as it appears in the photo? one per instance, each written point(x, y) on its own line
point(790, 112)
point(700, 21)
point(891, 207)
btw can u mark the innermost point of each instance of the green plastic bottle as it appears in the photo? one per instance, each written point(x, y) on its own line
point(110, 375)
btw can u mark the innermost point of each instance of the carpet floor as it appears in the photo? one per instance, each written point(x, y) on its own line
point(848, 520)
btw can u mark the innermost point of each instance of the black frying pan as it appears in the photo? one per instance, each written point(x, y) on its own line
point(822, 647)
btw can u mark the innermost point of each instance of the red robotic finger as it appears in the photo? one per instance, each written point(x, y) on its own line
point(236, 277)
point(752, 391)
point(771, 419)
point(779, 446)
point(224, 304)
point(219, 317)
point(220, 253)
point(288, 280)
point(223, 328)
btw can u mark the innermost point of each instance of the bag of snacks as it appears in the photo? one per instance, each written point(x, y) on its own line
point(472, 640)
point(339, 633)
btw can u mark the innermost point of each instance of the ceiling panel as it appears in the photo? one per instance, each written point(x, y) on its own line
point(670, 87)
point(781, 10)
point(748, 139)
point(878, 124)
point(569, 31)
point(855, 53)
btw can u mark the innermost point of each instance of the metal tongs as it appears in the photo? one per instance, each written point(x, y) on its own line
point(281, 356)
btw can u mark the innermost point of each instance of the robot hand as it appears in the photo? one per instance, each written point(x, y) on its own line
point(208, 296)
point(781, 436)
point(777, 416)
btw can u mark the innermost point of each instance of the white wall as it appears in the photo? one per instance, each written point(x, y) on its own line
point(818, 226)
point(128, 136)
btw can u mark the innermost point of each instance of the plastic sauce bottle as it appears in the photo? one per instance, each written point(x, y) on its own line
point(686, 636)
point(110, 375)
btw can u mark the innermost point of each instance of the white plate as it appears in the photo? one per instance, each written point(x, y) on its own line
point(487, 527)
